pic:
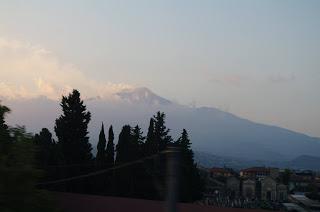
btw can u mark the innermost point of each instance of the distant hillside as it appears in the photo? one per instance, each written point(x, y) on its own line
point(211, 130)
point(305, 162)
point(208, 160)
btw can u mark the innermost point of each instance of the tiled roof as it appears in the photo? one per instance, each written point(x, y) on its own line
point(221, 170)
point(256, 169)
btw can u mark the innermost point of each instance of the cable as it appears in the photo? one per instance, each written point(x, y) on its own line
point(101, 171)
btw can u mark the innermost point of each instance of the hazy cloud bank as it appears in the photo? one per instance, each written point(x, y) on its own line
point(28, 70)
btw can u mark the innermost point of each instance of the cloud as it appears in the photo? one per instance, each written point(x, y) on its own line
point(232, 79)
point(280, 78)
point(28, 71)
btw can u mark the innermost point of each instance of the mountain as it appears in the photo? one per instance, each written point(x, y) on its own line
point(211, 130)
point(142, 95)
point(304, 162)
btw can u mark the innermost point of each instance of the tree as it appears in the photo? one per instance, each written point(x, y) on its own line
point(47, 153)
point(4, 129)
point(123, 176)
point(286, 177)
point(161, 133)
point(110, 148)
point(150, 146)
point(191, 184)
point(72, 129)
point(101, 158)
point(123, 145)
point(17, 172)
point(137, 143)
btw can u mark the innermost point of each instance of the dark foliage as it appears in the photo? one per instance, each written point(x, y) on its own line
point(71, 156)
point(101, 157)
point(4, 129)
point(191, 183)
point(161, 133)
point(72, 129)
point(150, 146)
point(47, 153)
point(18, 174)
point(110, 148)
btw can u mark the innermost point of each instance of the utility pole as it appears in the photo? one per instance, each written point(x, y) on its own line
point(173, 160)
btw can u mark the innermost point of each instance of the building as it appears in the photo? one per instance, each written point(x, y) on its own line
point(300, 181)
point(218, 172)
point(268, 189)
point(305, 202)
point(293, 207)
point(282, 193)
point(233, 187)
point(257, 172)
point(249, 189)
point(265, 188)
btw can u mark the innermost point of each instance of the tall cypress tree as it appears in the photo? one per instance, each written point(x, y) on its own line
point(137, 142)
point(123, 145)
point(191, 185)
point(110, 148)
point(101, 147)
point(123, 176)
point(150, 146)
point(72, 129)
point(161, 133)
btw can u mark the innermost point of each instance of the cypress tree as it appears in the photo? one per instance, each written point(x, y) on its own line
point(137, 142)
point(72, 129)
point(191, 185)
point(123, 145)
point(101, 158)
point(161, 133)
point(123, 176)
point(110, 148)
point(150, 145)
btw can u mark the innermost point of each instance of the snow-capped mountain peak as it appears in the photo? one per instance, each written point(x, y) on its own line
point(142, 95)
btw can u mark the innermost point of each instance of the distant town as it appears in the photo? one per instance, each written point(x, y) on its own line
point(262, 188)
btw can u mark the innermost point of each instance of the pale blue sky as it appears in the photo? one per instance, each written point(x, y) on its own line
point(257, 59)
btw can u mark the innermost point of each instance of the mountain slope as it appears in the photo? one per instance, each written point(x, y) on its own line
point(211, 130)
point(304, 162)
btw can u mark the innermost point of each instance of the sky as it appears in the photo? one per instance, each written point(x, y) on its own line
point(256, 59)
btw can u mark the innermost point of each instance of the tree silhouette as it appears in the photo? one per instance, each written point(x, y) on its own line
point(17, 172)
point(150, 146)
point(123, 146)
point(191, 185)
point(4, 129)
point(110, 148)
point(137, 143)
point(161, 133)
point(47, 152)
point(72, 129)
point(101, 158)
point(123, 176)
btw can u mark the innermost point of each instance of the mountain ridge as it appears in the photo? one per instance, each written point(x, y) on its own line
point(210, 129)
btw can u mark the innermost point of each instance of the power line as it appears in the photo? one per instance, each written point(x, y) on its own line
point(101, 171)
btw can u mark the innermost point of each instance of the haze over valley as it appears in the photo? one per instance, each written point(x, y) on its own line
point(212, 131)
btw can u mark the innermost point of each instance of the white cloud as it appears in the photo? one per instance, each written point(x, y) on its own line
point(231, 79)
point(28, 70)
point(278, 78)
